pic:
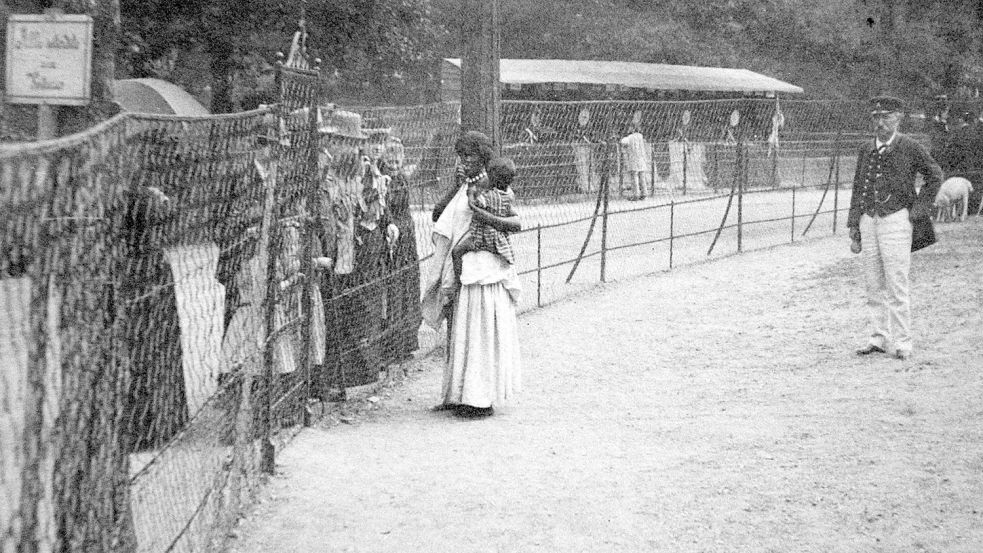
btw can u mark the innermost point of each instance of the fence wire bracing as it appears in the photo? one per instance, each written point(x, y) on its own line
point(179, 296)
point(737, 174)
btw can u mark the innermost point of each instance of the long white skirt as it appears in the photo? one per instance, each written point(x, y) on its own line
point(484, 367)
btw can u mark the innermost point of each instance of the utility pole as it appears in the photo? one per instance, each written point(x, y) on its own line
point(480, 101)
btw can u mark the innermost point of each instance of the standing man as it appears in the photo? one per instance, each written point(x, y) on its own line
point(635, 162)
point(883, 205)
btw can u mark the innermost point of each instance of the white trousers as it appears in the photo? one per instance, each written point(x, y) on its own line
point(886, 245)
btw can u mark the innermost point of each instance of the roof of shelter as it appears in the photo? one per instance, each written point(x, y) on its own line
point(655, 76)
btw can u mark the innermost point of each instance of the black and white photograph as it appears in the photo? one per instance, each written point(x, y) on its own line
point(503, 276)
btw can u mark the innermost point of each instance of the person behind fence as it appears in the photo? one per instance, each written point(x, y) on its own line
point(483, 363)
point(635, 162)
point(497, 197)
point(403, 317)
point(155, 408)
point(883, 206)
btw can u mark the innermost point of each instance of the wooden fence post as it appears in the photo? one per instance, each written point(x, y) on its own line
point(604, 225)
point(793, 212)
point(672, 226)
point(539, 266)
point(836, 183)
point(740, 191)
point(267, 253)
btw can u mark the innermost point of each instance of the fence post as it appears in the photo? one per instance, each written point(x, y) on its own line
point(672, 226)
point(267, 249)
point(793, 212)
point(716, 164)
point(307, 266)
point(740, 192)
point(605, 180)
point(652, 159)
point(590, 167)
point(621, 173)
point(32, 491)
point(836, 183)
point(685, 163)
point(802, 179)
point(539, 266)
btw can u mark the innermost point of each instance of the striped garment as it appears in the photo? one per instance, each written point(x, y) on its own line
point(488, 238)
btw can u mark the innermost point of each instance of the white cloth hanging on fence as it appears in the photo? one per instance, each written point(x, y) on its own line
point(200, 302)
point(242, 345)
point(696, 179)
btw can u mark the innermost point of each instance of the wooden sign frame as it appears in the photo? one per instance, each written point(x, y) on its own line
point(49, 59)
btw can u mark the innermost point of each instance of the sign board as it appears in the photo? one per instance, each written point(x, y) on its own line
point(49, 59)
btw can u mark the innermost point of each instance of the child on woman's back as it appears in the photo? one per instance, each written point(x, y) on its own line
point(497, 198)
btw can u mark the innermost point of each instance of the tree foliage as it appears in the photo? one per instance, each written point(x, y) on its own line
point(378, 50)
point(388, 51)
point(834, 48)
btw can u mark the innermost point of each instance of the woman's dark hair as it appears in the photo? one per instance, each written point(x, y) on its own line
point(475, 143)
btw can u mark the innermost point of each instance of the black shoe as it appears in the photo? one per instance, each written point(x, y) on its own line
point(469, 412)
point(870, 349)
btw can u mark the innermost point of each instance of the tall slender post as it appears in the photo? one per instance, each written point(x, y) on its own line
point(590, 168)
point(621, 173)
point(685, 161)
point(539, 266)
point(605, 182)
point(268, 246)
point(793, 212)
point(836, 183)
point(307, 268)
point(802, 179)
point(672, 228)
point(480, 100)
point(652, 188)
point(33, 439)
point(740, 193)
point(47, 122)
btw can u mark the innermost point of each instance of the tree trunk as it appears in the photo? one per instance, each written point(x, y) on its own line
point(220, 51)
point(105, 41)
point(480, 105)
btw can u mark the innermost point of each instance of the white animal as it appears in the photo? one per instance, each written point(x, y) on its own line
point(953, 193)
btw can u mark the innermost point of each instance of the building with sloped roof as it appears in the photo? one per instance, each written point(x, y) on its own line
point(528, 79)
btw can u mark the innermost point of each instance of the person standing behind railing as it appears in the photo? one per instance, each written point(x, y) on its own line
point(636, 162)
point(403, 317)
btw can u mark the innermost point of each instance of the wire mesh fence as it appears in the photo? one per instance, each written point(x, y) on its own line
point(179, 296)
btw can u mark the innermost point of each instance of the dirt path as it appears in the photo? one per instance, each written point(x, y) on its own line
point(716, 408)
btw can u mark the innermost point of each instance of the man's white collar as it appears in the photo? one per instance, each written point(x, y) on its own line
point(878, 144)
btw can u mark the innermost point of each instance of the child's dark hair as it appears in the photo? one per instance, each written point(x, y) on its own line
point(501, 171)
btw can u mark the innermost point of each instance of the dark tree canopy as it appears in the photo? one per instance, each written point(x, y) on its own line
point(388, 51)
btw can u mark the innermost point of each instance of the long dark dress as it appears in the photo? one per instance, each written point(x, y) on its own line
point(155, 407)
point(403, 316)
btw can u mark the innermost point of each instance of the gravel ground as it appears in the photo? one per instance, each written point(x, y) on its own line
point(716, 408)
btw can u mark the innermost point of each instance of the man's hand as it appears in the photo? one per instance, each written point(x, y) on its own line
point(855, 234)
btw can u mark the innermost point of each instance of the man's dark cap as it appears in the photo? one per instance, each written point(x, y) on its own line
point(880, 105)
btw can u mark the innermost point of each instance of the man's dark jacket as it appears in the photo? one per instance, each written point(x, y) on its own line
point(902, 161)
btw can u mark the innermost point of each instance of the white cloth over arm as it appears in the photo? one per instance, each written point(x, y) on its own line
point(452, 225)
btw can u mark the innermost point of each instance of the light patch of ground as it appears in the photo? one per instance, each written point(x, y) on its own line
point(718, 407)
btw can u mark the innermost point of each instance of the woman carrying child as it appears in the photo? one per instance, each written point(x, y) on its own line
point(483, 366)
